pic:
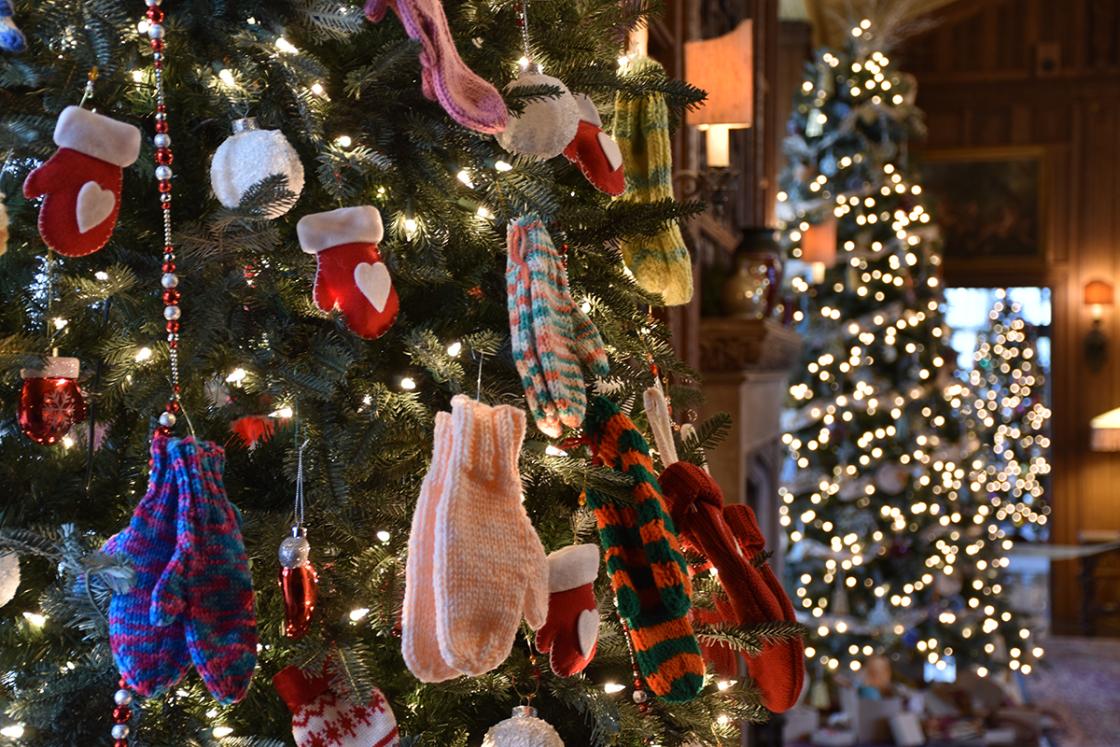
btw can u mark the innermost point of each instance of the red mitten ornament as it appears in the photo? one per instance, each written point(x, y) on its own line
point(322, 719)
point(82, 181)
point(351, 275)
point(595, 152)
point(51, 401)
point(571, 631)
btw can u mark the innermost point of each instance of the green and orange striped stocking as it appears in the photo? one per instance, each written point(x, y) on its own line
point(648, 573)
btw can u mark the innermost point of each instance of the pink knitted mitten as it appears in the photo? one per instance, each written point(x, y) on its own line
point(470, 100)
point(418, 626)
point(490, 567)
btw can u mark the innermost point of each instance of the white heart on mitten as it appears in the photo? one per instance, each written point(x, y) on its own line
point(588, 628)
point(94, 205)
point(610, 150)
point(374, 282)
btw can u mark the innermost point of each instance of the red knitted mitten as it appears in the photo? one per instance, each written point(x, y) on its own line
point(696, 504)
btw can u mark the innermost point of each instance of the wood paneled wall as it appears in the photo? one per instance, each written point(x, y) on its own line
point(1023, 73)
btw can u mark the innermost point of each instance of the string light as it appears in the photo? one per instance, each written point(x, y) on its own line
point(35, 619)
point(358, 614)
point(286, 46)
point(143, 354)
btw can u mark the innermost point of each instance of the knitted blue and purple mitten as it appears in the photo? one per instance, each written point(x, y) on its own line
point(11, 38)
point(221, 622)
point(151, 658)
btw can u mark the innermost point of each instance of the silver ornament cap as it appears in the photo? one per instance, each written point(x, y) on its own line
point(245, 124)
point(295, 551)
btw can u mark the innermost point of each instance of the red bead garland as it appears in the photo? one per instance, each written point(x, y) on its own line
point(122, 714)
point(164, 157)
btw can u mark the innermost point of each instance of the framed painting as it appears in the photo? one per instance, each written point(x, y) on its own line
point(989, 204)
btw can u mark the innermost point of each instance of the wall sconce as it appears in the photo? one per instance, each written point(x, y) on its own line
point(818, 247)
point(724, 67)
point(1098, 295)
point(1105, 431)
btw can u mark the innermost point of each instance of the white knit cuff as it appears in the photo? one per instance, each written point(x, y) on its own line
point(97, 136)
point(349, 225)
point(54, 368)
point(572, 566)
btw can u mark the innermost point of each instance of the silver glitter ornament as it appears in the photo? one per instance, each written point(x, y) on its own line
point(523, 729)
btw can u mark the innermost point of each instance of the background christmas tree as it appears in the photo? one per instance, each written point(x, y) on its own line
point(1011, 420)
point(890, 551)
point(347, 94)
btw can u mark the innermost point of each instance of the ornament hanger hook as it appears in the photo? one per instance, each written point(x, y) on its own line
point(478, 385)
point(91, 78)
point(299, 504)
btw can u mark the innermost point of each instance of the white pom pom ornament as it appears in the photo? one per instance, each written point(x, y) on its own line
point(9, 577)
point(546, 124)
point(523, 729)
point(249, 156)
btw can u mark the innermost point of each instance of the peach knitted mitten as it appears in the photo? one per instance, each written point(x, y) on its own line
point(490, 566)
point(418, 628)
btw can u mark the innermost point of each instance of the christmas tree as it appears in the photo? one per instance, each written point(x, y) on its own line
point(328, 378)
point(890, 550)
point(1008, 386)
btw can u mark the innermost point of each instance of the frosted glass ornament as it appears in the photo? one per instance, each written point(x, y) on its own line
point(523, 729)
point(248, 157)
point(9, 577)
point(546, 124)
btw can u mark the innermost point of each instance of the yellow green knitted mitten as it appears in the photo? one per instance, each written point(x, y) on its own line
point(660, 263)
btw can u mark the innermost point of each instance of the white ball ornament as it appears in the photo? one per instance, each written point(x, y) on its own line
point(546, 124)
point(250, 156)
point(9, 577)
point(523, 729)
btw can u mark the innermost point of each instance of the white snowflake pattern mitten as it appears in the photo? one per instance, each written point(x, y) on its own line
point(320, 718)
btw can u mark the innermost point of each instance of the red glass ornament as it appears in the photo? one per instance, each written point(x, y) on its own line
point(51, 401)
point(300, 587)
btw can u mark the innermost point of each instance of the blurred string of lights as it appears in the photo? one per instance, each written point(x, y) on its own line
point(1007, 383)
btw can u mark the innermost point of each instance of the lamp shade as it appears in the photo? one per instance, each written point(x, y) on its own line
point(724, 68)
point(818, 243)
point(1105, 431)
point(1098, 293)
